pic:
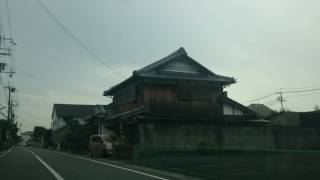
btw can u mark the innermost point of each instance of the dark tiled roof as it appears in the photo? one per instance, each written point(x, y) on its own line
point(181, 51)
point(73, 110)
point(151, 71)
point(148, 71)
point(261, 109)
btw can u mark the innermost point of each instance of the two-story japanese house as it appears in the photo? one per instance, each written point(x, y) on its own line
point(167, 100)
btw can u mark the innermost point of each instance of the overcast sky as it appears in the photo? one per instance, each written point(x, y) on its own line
point(266, 45)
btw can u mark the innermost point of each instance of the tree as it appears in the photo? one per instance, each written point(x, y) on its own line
point(43, 136)
point(38, 133)
point(14, 133)
point(116, 139)
point(316, 108)
point(77, 136)
point(47, 138)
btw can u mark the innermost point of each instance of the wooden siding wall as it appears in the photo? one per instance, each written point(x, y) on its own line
point(164, 100)
point(134, 103)
point(126, 95)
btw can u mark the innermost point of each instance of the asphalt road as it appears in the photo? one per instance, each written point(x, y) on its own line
point(33, 163)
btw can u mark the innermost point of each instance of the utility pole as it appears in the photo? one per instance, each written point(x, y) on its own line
point(281, 100)
point(6, 50)
point(20, 128)
point(9, 113)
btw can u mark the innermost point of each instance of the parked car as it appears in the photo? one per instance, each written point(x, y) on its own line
point(100, 146)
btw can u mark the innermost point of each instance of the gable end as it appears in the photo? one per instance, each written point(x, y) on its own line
point(181, 66)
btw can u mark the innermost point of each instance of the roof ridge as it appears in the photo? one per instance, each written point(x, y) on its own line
point(76, 104)
point(179, 52)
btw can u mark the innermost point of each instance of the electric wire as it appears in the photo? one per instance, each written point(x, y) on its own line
point(260, 98)
point(299, 91)
point(303, 95)
point(305, 87)
point(57, 85)
point(77, 40)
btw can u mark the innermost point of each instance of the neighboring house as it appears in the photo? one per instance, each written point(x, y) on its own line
point(298, 119)
point(173, 95)
point(233, 109)
point(262, 110)
point(286, 119)
point(63, 112)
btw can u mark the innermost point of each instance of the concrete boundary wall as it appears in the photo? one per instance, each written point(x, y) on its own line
point(229, 137)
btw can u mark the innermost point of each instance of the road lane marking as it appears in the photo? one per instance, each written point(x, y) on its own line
point(115, 166)
point(53, 172)
point(6, 152)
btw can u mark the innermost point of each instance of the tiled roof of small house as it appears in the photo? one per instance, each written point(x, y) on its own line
point(73, 110)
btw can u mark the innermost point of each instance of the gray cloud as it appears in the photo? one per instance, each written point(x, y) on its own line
point(265, 44)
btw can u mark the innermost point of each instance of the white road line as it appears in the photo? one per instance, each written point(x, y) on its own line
point(111, 165)
point(53, 172)
point(6, 152)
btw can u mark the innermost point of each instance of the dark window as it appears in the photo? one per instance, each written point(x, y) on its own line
point(193, 93)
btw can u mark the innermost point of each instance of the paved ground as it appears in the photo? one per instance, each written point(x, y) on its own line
point(33, 163)
point(246, 165)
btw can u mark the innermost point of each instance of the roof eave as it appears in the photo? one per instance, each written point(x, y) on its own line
point(111, 91)
point(224, 81)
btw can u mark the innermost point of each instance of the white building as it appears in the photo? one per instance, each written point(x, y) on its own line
point(64, 112)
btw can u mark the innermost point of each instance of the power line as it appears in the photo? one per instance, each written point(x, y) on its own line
point(56, 84)
point(260, 98)
point(261, 95)
point(299, 91)
point(303, 95)
point(77, 40)
point(284, 92)
point(271, 102)
point(34, 118)
point(296, 107)
point(305, 87)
